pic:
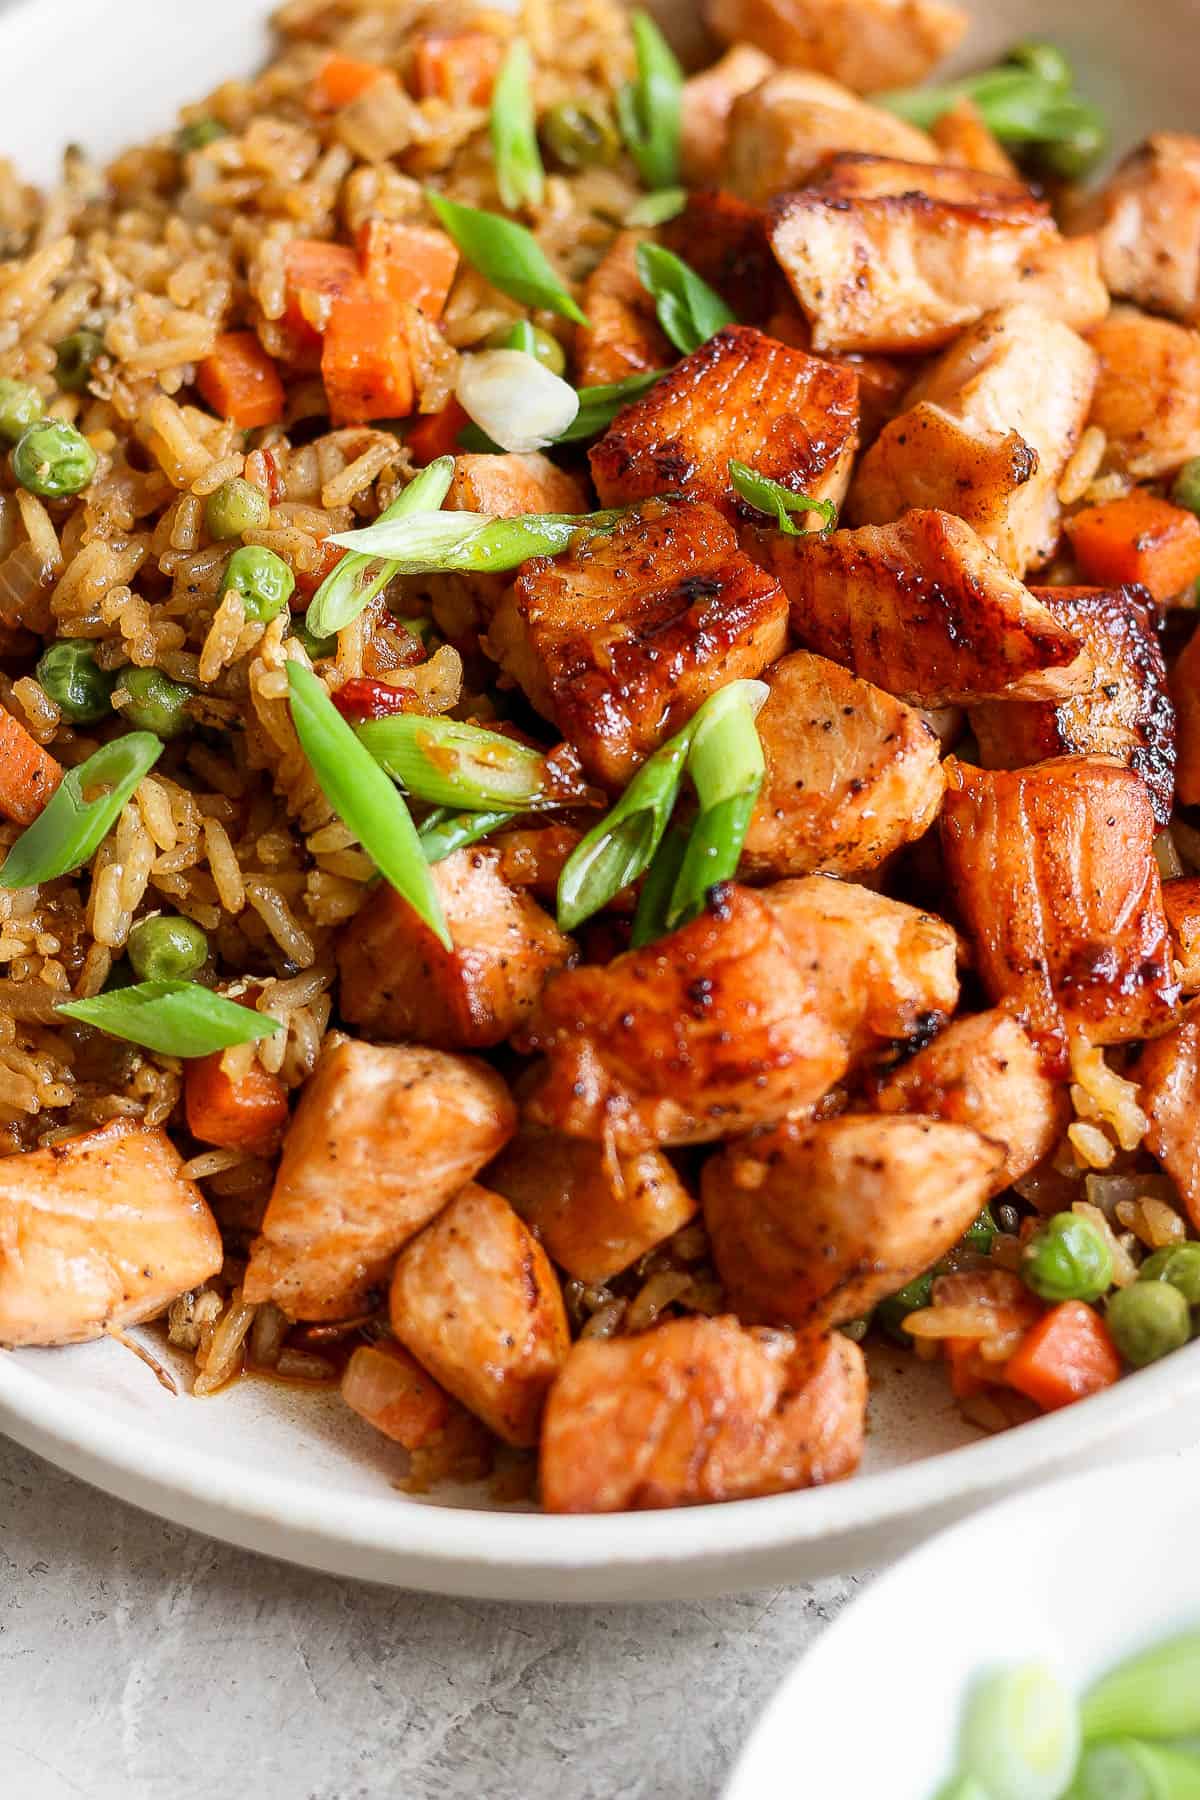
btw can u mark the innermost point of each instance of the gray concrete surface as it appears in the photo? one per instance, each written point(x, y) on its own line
point(139, 1661)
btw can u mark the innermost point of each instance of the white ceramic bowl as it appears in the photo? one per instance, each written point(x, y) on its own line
point(1077, 1576)
point(300, 1477)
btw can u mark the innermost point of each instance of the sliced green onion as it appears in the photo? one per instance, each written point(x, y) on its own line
point(520, 176)
point(1155, 1695)
point(363, 797)
point(656, 209)
point(506, 255)
point(624, 844)
point(767, 496)
point(348, 588)
point(471, 543)
point(1128, 1770)
point(599, 406)
point(1020, 1736)
point(689, 311)
point(959, 1787)
point(726, 765)
point(81, 812)
point(650, 108)
point(448, 763)
point(650, 919)
point(443, 833)
point(175, 1018)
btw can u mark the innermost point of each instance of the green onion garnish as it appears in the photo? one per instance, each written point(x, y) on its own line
point(471, 543)
point(656, 209)
point(623, 845)
point(767, 496)
point(363, 797)
point(1153, 1694)
point(726, 766)
point(448, 763)
point(650, 919)
point(506, 255)
point(650, 108)
point(442, 833)
point(348, 588)
point(81, 812)
point(599, 406)
point(520, 176)
point(689, 311)
point(175, 1018)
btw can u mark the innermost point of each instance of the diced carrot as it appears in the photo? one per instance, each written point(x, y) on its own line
point(436, 434)
point(461, 68)
point(28, 774)
point(366, 365)
point(309, 580)
point(340, 80)
point(248, 1114)
point(240, 382)
point(315, 275)
point(1067, 1355)
point(413, 263)
point(966, 1378)
point(386, 1386)
point(1138, 538)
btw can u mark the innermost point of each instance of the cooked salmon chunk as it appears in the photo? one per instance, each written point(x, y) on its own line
point(1148, 224)
point(476, 1302)
point(596, 1212)
point(851, 773)
point(1053, 872)
point(622, 336)
point(962, 136)
point(926, 611)
point(813, 1224)
point(726, 241)
point(511, 485)
point(1181, 900)
point(699, 1410)
point(707, 100)
point(790, 416)
point(99, 1230)
point(384, 1134)
point(1168, 1071)
point(711, 1030)
point(621, 639)
point(398, 980)
point(781, 132)
point(1147, 399)
point(868, 44)
point(1184, 681)
point(986, 1072)
point(888, 255)
point(1126, 713)
point(986, 434)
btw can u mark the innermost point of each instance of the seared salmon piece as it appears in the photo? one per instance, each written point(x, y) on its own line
point(814, 1223)
point(511, 485)
point(788, 415)
point(1127, 713)
point(927, 612)
point(1147, 221)
point(727, 243)
point(962, 136)
point(398, 980)
point(1147, 399)
point(1184, 681)
point(707, 100)
point(1168, 1071)
point(986, 434)
point(1181, 901)
point(781, 132)
point(622, 336)
point(851, 773)
point(699, 1410)
point(384, 1134)
point(475, 1300)
point(621, 639)
point(900, 256)
point(1053, 872)
point(868, 44)
point(99, 1230)
point(986, 1072)
point(596, 1211)
point(714, 1029)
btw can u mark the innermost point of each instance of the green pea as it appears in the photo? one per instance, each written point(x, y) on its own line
point(235, 508)
point(891, 1313)
point(20, 407)
point(1067, 1259)
point(580, 137)
point(263, 580)
point(317, 647)
point(1046, 61)
point(53, 460)
point(155, 703)
point(1179, 1265)
point(199, 134)
point(167, 948)
point(75, 357)
point(1185, 490)
point(1147, 1320)
point(82, 692)
point(534, 341)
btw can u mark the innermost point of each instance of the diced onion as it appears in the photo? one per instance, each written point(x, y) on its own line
point(518, 402)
